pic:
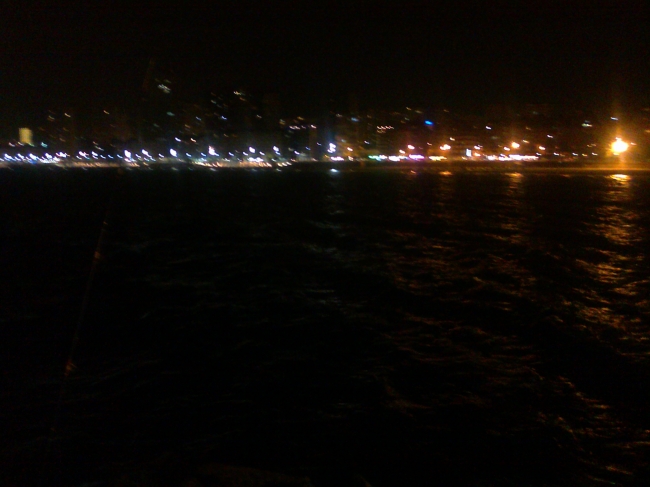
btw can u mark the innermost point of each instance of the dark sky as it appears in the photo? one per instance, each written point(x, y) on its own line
point(451, 53)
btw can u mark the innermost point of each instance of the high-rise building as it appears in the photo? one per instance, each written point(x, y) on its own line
point(26, 136)
point(161, 104)
point(57, 130)
point(272, 112)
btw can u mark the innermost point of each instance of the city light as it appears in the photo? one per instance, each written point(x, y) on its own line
point(489, 143)
point(512, 158)
point(620, 177)
point(619, 146)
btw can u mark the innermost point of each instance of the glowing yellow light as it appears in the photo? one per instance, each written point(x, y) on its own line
point(620, 177)
point(515, 145)
point(445, 147)
point(541, 147)
point(411, 147)
point(619, 146)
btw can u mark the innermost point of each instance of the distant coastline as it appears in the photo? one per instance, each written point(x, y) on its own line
point(579, 166)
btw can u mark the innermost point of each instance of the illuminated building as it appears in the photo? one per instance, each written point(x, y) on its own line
point(268, 128)
point(26, 136)
point(271, 112)
point(298, 136)
point(161, 105)
point(110, 130)
point(192, 122)
point(314, 145)
point(57, 130)
point(346, 136)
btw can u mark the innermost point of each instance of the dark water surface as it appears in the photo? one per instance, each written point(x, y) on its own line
point(414, 328)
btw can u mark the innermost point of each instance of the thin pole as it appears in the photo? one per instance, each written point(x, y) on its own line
point(81, 319)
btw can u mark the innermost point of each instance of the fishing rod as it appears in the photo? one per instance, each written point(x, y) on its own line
point(81, 318)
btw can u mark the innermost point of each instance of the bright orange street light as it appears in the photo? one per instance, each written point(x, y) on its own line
point(619, 146)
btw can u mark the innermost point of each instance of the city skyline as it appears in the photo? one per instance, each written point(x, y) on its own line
point(465, 56)
point(238, 126)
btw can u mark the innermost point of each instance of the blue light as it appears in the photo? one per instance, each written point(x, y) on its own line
point(428, 122)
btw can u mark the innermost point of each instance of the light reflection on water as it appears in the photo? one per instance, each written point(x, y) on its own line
point(500, 318)
point(617, 222)
point(620, 177)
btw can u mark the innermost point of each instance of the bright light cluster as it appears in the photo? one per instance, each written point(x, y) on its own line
point(513, 157)
point(619, 146)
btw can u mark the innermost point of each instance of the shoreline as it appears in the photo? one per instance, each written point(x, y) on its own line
point(442, 166)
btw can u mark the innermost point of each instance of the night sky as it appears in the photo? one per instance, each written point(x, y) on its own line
point(453, 54)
